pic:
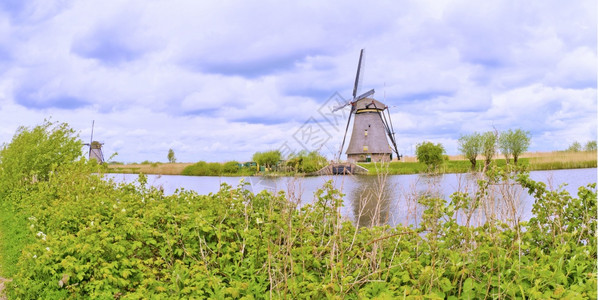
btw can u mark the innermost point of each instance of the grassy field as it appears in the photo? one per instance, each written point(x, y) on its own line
point(409, 164)
point(153, 168)
point(533, 161)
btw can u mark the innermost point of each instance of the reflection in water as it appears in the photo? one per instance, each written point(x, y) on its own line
point(372, 197)
point(391, 199)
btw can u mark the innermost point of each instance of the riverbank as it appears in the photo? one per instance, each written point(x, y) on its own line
point(534, 161)
point(538, 161)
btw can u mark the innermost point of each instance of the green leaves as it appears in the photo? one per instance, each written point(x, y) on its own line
point(103, 240)
point(34, 153)
point(430, 154)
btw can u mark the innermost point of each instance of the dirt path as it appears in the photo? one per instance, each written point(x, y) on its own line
point(2, 281)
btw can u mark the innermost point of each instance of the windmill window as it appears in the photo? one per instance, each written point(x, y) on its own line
point(366, 132)
point(365, 148)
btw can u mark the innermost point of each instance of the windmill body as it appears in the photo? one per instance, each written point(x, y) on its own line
point(95, 152)
point(95, 147)
point(372, 128)
point(368, 138)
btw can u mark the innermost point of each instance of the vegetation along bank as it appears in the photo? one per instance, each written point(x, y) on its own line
point(67, 232)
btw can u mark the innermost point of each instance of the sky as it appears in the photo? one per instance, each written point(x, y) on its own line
point(221, 80)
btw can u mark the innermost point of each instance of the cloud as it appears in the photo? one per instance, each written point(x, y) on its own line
point(220, 80)
point(27, 12)
point(118, 39)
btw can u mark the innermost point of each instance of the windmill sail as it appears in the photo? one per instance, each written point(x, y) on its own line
point(371, 129)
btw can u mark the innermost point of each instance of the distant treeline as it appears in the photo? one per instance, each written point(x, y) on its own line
point(269, 161)
point(203, 168)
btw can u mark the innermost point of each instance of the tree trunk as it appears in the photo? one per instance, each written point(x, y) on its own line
point(487, 163)
point(473, 163)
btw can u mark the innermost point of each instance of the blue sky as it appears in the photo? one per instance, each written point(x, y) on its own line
point(220, 80)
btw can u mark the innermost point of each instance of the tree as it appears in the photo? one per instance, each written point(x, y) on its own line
point(514, 143)
point(268, 158)
point(34, 153)
point(489, 140)
point(171, 157)
point(430, 154)
point(471, 146)
point(504, 145)
point(575, 147)
point(590, 146)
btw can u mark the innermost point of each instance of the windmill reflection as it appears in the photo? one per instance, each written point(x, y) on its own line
point(372, 198)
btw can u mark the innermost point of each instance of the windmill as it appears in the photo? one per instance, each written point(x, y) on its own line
point(95, 147)
point(371, 127)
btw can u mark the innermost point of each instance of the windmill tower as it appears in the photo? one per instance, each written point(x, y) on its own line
point(371, 127)
point(95, 148)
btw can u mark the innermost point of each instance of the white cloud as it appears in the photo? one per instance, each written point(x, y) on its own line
point(221, 80)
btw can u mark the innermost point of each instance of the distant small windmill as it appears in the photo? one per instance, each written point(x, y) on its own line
point(371, 126)
point(95, 147)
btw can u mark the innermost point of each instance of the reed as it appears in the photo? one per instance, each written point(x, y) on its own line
point(562, 160)
point(153, 168)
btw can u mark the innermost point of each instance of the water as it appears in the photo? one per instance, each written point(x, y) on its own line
point(367, 203)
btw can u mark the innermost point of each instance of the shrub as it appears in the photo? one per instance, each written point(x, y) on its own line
point(34, 153)
point(214, 169)
point(430, 154)
point(230, 167)
point(199, 168)
point(89, 240)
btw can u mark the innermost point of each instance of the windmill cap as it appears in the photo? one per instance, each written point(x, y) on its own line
point(369, 103)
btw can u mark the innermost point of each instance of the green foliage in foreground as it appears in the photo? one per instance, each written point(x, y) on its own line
point(34, 152)
point(88, 237)
point(78, 235)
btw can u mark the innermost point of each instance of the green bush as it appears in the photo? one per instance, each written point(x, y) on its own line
point(202, 168)
point(430, 154)
point(306, 162)
point(94, 239)
point(214, 169)
point(34, 153)
point(230, 167)
point(197, 169)
point(83, 236)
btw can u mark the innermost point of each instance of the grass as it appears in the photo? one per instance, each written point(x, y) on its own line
point(451, 166)
point(534, 161)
